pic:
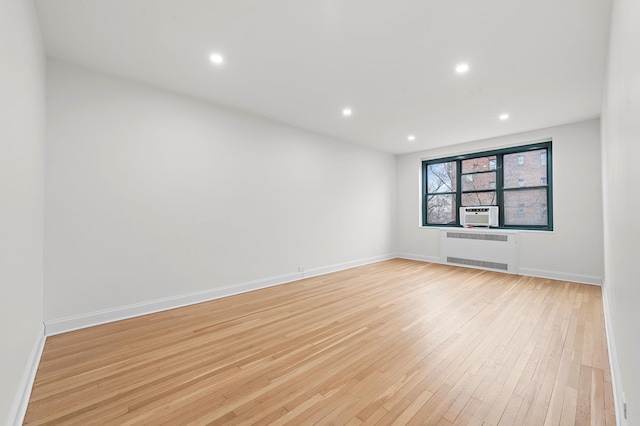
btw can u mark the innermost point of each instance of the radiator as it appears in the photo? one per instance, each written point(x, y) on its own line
point(476, 248)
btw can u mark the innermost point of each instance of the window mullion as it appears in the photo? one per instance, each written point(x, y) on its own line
point(424, 193)
point(500, 188)
point(549, 189)
point(458, 189)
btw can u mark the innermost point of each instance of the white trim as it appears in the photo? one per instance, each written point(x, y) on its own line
point(420, 257)
point(431, 259)
point(561, 276)
point(540, 273)
point(77, 322)
point(489, 230)
point(91, 319)
point(347, 265)
point(616, 383)
point(21, 400)
point(481, 229)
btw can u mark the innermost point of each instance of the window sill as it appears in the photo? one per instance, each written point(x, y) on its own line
point(490, 230)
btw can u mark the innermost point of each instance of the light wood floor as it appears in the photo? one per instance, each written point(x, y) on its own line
point(397, 342)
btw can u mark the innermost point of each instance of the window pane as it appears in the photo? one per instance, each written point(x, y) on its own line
point(479, 199)
point(482, 164)
point(441, 177)
point(441, 209)
point(479, 181)
point(526, 207)
point(529, 173)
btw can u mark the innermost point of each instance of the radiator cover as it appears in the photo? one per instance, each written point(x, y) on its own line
point(480, 248)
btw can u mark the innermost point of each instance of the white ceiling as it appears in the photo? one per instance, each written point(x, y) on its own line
point(301, 61)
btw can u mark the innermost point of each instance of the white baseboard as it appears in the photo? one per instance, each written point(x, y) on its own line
point(342, 266)
point(91, 319)
point(77, 322)
point(433, 259)
point(613, 362)
point(561, 276)
point(21, 400)
point(423, 258)
point(540, 273)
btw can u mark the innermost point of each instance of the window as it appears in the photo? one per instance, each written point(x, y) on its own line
point(441, 179)
point(516, 179)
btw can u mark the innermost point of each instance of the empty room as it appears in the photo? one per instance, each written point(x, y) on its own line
point(319, 212)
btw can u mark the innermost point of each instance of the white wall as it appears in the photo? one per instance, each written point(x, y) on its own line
point(21, 191)
point(621, 165)
point(151, 194)
point(573, 251)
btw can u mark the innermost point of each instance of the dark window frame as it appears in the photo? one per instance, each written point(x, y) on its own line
point(500, 190)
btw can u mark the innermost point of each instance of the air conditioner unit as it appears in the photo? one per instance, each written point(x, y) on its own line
point(479, 216)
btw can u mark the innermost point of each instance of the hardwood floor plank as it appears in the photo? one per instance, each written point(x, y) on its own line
point(395, 342)
point(583, 408)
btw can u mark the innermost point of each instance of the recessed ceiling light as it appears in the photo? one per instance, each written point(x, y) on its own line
point(462, 68)
point(347, 112)
point(216, 58)
point(411, 138)
point(504, 117)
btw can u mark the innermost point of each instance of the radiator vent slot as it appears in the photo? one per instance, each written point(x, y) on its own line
point(484, 237)
point(478, 263)
point(474, 248)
